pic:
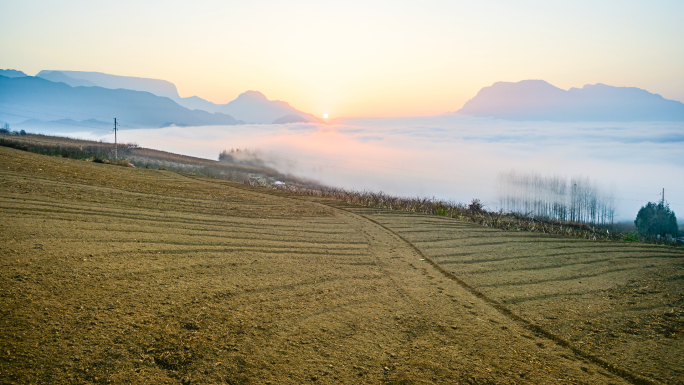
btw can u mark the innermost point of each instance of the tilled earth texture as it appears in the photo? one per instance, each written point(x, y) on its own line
point(122, 275)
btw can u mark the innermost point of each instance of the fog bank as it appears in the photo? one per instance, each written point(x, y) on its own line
point(448, 157)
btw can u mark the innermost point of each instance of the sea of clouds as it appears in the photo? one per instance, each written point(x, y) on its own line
point(449, 157)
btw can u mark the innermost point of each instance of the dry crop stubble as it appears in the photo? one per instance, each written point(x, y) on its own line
point(620, 305)
point(113, 274)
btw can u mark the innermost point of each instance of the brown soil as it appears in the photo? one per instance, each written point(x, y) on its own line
point(121, 275)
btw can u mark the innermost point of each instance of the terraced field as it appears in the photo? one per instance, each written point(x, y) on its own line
point(620, 305)
point(122, 275)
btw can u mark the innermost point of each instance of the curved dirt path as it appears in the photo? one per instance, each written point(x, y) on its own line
point(570, 291)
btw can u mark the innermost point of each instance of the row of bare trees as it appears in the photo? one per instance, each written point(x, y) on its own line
point(577, 199)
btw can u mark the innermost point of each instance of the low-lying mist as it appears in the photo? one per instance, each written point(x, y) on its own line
point(448, 157)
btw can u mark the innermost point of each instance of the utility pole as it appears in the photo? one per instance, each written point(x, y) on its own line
point(663, 201)
point(116, 152)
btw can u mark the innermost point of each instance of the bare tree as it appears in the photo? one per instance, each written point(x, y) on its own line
point(556, 198)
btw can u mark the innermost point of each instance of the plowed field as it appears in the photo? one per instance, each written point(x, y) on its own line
point(123, 275)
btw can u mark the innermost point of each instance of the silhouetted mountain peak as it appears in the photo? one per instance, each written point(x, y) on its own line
point(538, 83)
point(539, 100)
point(252, 95)
point(526, 88)
point(254, 107)
point(12, 74)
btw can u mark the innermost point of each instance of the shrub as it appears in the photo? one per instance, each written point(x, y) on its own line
point(123, 162)
point(476, 207)
point(631, 237)
point(11, 144)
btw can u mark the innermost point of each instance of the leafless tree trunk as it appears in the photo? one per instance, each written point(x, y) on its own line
point(555, 198)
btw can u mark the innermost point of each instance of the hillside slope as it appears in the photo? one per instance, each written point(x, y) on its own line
point(123, 275)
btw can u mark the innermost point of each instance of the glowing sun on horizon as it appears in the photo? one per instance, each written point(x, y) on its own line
point(325, 116)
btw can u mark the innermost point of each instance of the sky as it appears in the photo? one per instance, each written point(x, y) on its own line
point(353, 58)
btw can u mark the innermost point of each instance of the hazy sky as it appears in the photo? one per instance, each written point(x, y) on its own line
point(353, 58)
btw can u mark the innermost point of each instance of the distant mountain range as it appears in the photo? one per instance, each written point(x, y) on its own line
point(75, 98)
point(153, 86)
point(60, 77)
point(31, 96)
point(197, 103)
point(12, 74)
point(254, 107)
point(539, 100)
point(250, 107)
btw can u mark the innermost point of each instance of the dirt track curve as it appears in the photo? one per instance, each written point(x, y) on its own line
point(119, 275)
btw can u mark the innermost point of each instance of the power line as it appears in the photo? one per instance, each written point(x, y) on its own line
point(116, 151)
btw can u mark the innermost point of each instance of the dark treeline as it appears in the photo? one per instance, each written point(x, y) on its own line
point(556, 198)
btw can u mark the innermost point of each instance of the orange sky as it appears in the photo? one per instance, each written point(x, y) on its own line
point(353, 58)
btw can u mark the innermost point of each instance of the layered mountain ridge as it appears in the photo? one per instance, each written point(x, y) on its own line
point(254, 107)
point(156, 103)
point(250, 106)
point(534, 100)
point(37, 98)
